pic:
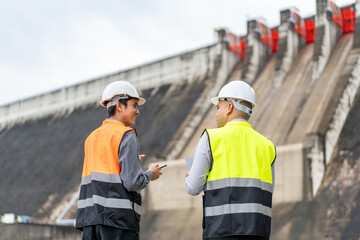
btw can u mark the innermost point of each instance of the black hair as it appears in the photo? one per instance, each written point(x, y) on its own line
point(112, 109)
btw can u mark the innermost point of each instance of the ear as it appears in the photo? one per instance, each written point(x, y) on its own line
point(229, 108)
point(119, 106)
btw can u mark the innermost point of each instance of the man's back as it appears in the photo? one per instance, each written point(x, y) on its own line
point(238, 192)
point(233, 165)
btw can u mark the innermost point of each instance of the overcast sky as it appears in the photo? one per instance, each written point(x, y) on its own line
point(48, 44)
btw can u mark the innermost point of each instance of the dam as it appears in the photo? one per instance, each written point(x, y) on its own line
point(306, 75)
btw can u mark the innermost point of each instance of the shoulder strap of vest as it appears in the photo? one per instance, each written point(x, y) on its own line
point(134, 130)
point(275, 155)
point(205, 130)
point(211, 157)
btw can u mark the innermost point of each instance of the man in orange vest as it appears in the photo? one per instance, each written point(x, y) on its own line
point(109, 200)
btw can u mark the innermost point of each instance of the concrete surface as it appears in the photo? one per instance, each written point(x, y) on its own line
point(208, 119)
point(289, 174)
point(168, 193)
point(278, 110)
point(322, 93)
point(19, 231)
point(183, 67)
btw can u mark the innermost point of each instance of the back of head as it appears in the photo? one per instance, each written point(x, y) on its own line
point(240, 93)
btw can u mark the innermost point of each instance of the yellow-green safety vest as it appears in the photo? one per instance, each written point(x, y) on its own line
point(238, 192)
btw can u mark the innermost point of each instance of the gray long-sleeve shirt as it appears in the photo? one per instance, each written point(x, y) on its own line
point(132, 175)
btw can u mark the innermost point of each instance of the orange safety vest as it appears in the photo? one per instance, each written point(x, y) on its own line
point(103, 199)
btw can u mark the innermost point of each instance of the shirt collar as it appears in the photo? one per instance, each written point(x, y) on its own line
point(242, 122)
point(114, 119)
point(238, 119)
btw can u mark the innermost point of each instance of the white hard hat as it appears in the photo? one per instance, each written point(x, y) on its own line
point(120, 90)
point(237, 89)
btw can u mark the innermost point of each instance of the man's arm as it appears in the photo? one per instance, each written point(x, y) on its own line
point(195, 182)
point(132, 174)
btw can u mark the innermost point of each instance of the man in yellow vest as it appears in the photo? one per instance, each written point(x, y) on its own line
point(109, 200)
point(233, 165)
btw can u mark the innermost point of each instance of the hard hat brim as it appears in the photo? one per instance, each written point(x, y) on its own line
point(214, 100)
point(141, 100)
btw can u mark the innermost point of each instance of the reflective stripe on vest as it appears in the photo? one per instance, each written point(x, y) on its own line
point(239, 182)
point(106, 202)
point(109, 203)
point(237, 208)
point(101, 177)
point(238, 192)
point(103, 198)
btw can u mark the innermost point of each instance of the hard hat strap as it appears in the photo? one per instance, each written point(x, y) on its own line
point(239, 106)
point(242, 108)
point(116, 99)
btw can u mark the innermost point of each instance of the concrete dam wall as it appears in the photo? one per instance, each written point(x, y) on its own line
point(307, 104)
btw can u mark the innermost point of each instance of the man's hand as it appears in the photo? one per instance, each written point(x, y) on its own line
point(141, 157)
point(156, 172)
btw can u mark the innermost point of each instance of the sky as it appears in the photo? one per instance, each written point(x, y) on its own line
point(49, 44)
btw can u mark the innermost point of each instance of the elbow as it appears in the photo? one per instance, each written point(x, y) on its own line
point(131, 186)
point(134, 186)
point(191, 191)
